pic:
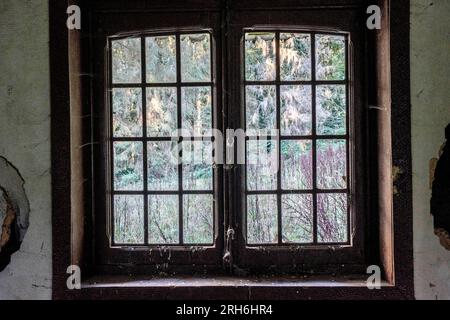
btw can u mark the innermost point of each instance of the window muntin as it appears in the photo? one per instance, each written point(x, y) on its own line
point(297, 82)
point(161, 83)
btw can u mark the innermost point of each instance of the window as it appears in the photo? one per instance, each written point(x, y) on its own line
point(161, 83)
point(163, 199)
point(304, 200)
point(83, 153)
point(297, 83)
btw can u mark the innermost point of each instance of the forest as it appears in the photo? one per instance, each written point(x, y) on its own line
point(312, 147)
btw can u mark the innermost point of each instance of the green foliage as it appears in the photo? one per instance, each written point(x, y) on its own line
point(261, 114)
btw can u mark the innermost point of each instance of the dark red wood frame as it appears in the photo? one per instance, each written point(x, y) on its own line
point(107, 255)
point(319, 258)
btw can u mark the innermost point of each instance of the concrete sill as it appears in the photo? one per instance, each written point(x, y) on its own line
point(226, 281)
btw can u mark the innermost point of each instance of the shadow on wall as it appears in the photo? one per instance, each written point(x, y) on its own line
point(14, 211)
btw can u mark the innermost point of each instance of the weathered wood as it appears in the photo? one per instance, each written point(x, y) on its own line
point(14, 211)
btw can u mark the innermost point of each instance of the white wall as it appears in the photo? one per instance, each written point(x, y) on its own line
point(430, 80)
point(25, 138)
point(25, 130)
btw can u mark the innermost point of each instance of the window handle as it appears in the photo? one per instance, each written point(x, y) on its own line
point(228, 256)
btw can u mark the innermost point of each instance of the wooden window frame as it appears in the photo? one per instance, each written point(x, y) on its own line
point(350, 258)
point(72, 247)
point(147, 259)
point(145, 139)
point(313, 137)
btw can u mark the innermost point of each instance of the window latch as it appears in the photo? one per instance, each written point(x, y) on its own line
point(228, 167)
point(228, 256)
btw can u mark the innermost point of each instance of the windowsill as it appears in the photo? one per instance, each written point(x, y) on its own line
point(227, 281)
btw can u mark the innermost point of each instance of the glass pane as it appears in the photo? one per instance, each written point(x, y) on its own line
point(161, 59)
point(259, 56)
point(127, 112)
point(332, 217)
point(261, 109)
point(126, 61)
point(197, 165)
point(163, 219)
point(297, 218)
point(196, 109)
point(262, 164)
point(128, 166)
point(161, 112)
point(295, 56)
point(296, 110)
point(296, 164)
point(128, 219)
point(262, 222)
point(331, 164)
point(331, 110)
point(330, 57)
point(198, 222)
point(162, 167)
point(196, 58)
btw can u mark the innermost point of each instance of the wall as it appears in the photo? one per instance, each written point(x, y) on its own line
point(24, 138)
point(430, 58)
point(25, 129)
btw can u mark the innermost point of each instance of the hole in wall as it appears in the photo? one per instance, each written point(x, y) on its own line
point(14, 211)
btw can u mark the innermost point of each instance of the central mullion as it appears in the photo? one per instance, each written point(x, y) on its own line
point(144, 133)
point(278, 127)
point(180, 139)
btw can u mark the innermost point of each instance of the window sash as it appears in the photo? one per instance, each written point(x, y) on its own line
point(314, 137)
point(144, 139)
point(228, 182)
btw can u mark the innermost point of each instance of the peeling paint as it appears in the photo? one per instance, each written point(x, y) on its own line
point(8, 220)
point(396, 173)
point(14, 211)
point(430, 114)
